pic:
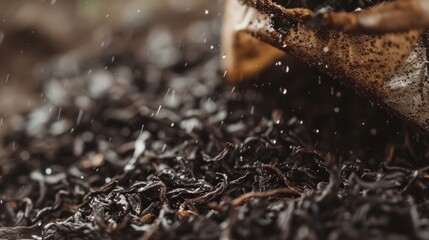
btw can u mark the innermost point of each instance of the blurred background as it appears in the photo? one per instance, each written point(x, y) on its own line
point(35, 32)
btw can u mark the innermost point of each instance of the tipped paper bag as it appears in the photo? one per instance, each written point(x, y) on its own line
point(391, 68)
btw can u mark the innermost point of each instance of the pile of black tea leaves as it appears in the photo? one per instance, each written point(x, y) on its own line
point(161, 147)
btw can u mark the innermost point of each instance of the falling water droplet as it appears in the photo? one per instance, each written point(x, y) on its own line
point(79, 117)
point(59, 114)
point(338, 94)
point(286, 69)
point(166, 95)
point(159, 109)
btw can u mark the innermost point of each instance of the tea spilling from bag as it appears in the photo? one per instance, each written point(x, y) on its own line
point(387, 66)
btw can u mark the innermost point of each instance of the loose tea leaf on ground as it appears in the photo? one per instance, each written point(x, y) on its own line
point(161, 148)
